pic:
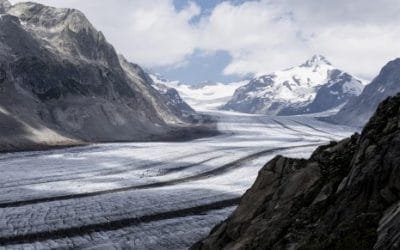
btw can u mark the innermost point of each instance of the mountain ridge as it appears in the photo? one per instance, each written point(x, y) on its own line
point(358, 110)
point(203, 96)
point(63, 83)
point(294, 90)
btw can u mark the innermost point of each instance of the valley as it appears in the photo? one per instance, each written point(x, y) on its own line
point(99, 150)
point(145, 195)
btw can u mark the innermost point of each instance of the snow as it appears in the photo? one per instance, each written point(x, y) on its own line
point(353, 87)
point(294, 85)
point(158, 195)
point(206, 97)
point(291, 89)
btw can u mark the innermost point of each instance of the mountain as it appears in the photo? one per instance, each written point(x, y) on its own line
point(346, 196)
point(357, 111)
point(312, 87)
point(62, 83)
point(204, 95)
point(170, 95)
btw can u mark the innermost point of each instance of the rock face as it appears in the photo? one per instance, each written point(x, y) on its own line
point(346, 196)
point(312, 87)
point(61, 82)
point(172, 96)
point(357, 111)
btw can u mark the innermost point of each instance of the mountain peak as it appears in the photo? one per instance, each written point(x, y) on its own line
point(316, 60)
point(4, 6)
point(48, 17)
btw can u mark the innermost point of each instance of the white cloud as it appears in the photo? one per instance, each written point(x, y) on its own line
point(359, 36)
point(152, 33)
point(258, 36)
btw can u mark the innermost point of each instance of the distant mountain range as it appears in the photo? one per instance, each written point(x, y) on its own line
point(315, 87)
point(204, 95)
point(62, 83)
point(312, 87)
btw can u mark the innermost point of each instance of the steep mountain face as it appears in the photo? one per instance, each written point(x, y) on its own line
point(205, 95)
point(169, 95)
point(62, 83)
point(312, 87)
point(346, 196)
point(357, 111)
point(172, 96)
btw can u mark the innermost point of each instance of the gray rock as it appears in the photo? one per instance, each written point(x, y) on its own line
point(346, 196)
point(63, 83)
point(357, 111)
point(4, 6)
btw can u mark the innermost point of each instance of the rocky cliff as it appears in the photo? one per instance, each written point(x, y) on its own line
point(346, 196)
point(62, 83)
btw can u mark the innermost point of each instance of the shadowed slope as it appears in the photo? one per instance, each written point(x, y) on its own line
point(346, 195)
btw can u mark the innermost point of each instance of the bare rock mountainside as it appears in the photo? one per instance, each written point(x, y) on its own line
point(357, 111)
point(62, 83)
point(346, 196)
point(315, 86)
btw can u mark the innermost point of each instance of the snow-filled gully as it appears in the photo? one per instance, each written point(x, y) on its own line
point(144, 195)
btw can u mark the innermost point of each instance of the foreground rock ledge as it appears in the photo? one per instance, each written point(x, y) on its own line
point(346, 196)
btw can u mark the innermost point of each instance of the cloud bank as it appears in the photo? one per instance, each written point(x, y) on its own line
point(261, 36)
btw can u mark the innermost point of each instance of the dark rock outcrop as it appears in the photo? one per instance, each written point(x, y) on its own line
point(359, 109)
point(346, 196)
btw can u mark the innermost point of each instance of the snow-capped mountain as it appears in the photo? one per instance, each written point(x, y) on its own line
point(202, 96)
point(358, 110)
point(61, 83)
point(312, 87)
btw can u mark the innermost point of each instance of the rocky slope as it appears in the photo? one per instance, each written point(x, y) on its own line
point(172, 95)
point(312, 87)
point(357, 111)
point(169, 95)
point(346, 196)
point(63, 83)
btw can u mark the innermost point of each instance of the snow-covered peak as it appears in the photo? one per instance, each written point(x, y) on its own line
point(296, 84)
point(295, 87)
point(160, 79)
point(316, 60)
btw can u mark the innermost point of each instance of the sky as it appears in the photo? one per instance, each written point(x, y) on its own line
point(228, 40)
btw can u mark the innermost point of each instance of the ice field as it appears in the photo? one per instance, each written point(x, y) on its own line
point(144, 195)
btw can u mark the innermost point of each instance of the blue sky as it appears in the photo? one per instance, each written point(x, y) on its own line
point(201, 66)
point(206, 5)
point(227, 40)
